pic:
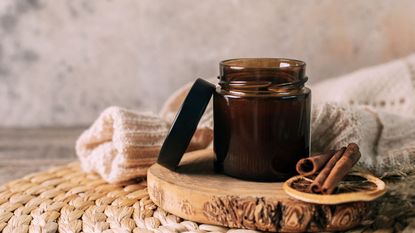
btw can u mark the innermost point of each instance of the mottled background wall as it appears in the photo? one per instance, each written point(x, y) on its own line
point(63, 61)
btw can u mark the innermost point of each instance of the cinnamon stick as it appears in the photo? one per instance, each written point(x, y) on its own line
point(309, 166)
point(342, 167)
point(316, 185)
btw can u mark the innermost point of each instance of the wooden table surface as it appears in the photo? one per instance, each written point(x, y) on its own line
point(24, 151)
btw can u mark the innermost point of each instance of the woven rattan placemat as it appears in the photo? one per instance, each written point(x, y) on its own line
point(65, 199)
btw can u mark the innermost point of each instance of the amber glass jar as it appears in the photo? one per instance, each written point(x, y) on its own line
point(261, 118)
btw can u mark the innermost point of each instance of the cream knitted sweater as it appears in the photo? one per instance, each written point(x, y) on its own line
point(121, 144)
point(373, 107)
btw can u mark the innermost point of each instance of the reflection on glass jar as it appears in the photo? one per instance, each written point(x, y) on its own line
point(261, 118)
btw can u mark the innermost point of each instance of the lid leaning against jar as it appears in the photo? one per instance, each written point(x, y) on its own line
point(185, 124)
point(251, 76)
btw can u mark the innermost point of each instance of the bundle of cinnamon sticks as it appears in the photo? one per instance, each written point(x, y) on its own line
point(331, 167)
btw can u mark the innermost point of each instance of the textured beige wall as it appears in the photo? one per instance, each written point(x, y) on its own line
point(63, 61)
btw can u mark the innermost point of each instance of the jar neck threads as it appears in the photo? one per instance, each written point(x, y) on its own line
point(261, 76)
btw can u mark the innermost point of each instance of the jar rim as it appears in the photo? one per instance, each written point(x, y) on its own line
point(262, 63)
point(262, 75)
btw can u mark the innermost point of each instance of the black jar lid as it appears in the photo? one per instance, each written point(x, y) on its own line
point(185, 124)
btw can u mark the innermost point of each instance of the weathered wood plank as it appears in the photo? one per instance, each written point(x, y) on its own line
point(23, 151)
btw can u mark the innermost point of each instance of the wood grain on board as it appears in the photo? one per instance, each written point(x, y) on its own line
point(196, 193)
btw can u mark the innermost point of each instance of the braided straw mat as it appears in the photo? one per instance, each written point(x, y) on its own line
point(65, 199)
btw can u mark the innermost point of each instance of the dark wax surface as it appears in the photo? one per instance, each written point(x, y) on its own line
point(261, 138)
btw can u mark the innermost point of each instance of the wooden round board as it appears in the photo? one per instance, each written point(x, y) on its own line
point(194, 192)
